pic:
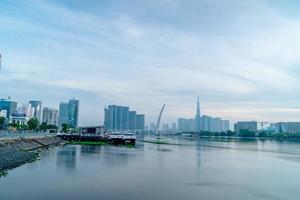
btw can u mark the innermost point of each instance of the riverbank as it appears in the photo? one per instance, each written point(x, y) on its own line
point(16, 152)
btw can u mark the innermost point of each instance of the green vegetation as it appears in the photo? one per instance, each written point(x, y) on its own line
point(33, 124)
point(3, 173)
point(44, 127)
point(96, 143)
point(2, 123)
point(129, 146)
point(247, 133)
point(251, 134)
point(65, 128)
point(35, 157)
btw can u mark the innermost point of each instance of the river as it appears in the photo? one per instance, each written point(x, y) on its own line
point(208, 169)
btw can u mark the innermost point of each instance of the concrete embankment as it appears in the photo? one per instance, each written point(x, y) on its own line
point(16, 152)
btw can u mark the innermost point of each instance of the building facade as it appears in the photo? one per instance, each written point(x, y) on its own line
point(73, 112)
point(198, 117)
point(63, 116)
point(186, 125)
point(140, 122)
point(121, 118)
point(18, 118)
point(69, 113)
point(7, 108)
point(37, 106)
point(132, 120)
point(26, 109)
point(286, 127)
point(50, 116)
point(245, 125)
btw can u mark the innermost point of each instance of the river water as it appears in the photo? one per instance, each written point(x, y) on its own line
point(186, 169)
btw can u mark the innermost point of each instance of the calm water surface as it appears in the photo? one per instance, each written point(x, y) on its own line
point(193, 169)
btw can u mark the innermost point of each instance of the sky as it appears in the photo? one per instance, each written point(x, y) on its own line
point(242, 58)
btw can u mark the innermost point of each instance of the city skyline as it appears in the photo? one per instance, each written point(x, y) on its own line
point(141, 55)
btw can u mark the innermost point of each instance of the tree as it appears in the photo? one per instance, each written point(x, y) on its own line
point(246, 133)
point(43, 126)
point(2, 123)
point(33, 123)
point(52, 126)
point(24, 127)
point(65, 128)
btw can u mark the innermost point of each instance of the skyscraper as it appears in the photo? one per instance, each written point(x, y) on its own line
point(73, 112)
point(186, 125)
point(124, 121)
point(8, 107)
point(132, 120)
point(50, 116)
point(37, 106)
point(140, 122)
point(69, 112)
point(63, 116)
point(198, 117)
point(120, 118)
point(26, 109)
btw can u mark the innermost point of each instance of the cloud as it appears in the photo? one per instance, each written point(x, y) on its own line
point(237, 56)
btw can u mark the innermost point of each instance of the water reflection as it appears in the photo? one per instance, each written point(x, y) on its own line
point(90, 149)
point(118, 156)
point(194, 169)
point(66, 158)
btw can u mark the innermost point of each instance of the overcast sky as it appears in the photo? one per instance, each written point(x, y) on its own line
point(241, 57)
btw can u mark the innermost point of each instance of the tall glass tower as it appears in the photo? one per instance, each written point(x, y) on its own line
point(198, 117)
point(37, 106)
point(73, 112)
point(69, 112)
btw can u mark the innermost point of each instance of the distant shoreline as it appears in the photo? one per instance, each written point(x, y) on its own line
point(295, 138)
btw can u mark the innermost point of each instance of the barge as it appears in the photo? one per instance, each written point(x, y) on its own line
point(116, 138)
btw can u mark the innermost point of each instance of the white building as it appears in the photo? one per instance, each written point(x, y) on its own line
point(18, 118)
point(50, 116)
point(26, 109)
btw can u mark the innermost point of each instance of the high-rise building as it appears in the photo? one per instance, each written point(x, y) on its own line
point(110, 117)
point(69, 113)
point(132, 120)
point(37, 106)
point(198, 117)
point(27, 110)
point(245, 125)
point(125, 118)
point(285, 127)
point(207, 123)
point(226, 125)
point(173, 128)
point(73, 112)
point(186, 125)
point(50, 116)
point(63, 116)
point(7, 108)
point(120, 118)
point(217, 124)
point(140, 122)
